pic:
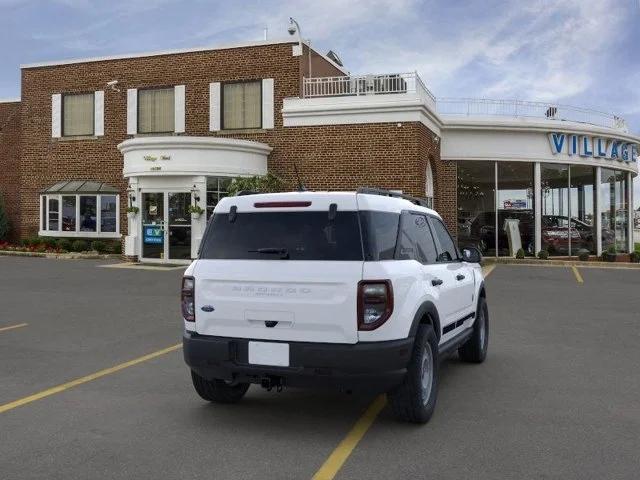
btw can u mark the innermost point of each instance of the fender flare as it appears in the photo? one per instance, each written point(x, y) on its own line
point(427, 308)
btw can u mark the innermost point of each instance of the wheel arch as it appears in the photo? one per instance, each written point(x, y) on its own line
point(426, 314)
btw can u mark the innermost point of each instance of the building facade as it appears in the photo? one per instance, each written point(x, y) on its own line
point(121, 147)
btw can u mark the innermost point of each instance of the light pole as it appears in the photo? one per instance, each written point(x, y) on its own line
point(294, 27)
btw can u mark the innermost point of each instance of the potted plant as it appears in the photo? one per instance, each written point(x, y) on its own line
point(520, 254)
point(132, 212)
point(195, 211)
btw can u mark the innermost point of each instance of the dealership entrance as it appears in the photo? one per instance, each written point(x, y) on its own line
point(165, 227)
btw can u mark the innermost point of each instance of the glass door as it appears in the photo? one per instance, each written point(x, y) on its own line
point(153, 226)
point(179, 226)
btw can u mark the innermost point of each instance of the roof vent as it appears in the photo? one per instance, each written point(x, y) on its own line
point(334, 57)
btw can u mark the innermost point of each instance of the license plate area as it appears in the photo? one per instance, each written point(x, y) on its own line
point(269, 353)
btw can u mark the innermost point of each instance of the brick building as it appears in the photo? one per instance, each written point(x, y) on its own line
point(162, 131)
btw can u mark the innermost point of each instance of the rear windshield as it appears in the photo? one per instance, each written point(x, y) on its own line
point(280, 235)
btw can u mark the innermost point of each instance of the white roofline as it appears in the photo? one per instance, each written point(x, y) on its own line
point(157, 53)
point(258, 43)
point(9, 100)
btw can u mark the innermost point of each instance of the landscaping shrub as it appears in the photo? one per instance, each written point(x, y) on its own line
point(79, 246)
point(543, 254)
point(4, 221)
point(47, 242)
point(583, 254)
point(268, 183)
point(635, 256)
point(610, 255)
point(520, 253)
point(116, 247)
point(64, 244)
point(99, 246)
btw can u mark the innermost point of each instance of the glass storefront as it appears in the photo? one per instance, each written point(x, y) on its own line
point(496, 207)
point(516, 220)
point(614, 194)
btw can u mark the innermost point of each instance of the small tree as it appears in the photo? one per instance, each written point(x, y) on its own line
point(268, 183)
point(4, 220)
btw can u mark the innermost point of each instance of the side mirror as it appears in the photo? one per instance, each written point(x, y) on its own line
point(471, 255)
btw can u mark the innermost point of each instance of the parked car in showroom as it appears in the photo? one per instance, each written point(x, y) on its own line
point(354, 290)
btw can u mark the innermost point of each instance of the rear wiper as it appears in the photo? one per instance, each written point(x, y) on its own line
point(283, 252)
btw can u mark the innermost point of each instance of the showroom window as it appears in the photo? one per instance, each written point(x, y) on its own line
point(216, 190)
point(477, 205)
point(156, 110)
point(242, 105)
point(516, 220)
point(78, 114)
point(80, 209)
point(614, 194)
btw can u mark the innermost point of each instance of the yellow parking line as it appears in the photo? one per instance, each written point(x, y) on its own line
point(577, 274)
point(11, 327)
point(79, 381)
point(332, 465)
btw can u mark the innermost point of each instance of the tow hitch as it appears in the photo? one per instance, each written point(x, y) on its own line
point(271, 382)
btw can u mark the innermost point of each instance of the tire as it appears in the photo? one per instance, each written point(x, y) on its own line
point(414, 400)
point(475, 349)
point(218, 391)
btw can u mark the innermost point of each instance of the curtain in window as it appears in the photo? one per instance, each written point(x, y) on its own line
point(156, 110)
point(242, 105)
point(78, 114)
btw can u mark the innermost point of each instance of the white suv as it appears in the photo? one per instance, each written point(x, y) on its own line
point(356, 290)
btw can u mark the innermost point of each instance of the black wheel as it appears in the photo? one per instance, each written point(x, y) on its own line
point(475, 349)
point(218, 391)
point(415, 399)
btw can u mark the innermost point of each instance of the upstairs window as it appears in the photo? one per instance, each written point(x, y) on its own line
point(242, 105)
point(156, 110)
point(78, 114)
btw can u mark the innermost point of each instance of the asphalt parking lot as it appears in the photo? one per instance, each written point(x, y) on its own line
point(558, 397)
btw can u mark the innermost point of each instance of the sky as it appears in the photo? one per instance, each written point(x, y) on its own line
point(577, 52)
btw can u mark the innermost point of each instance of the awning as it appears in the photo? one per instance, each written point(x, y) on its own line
point(81, 186)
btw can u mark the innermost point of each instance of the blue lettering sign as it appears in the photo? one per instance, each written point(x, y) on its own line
point(624, 152)
point(153, 235)
point(614, 149)
point(557, 142)
point(586, 149)
point(600, 148)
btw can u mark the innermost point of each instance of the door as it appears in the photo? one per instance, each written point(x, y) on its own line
point(153, 226)
point(458, 283)
point(166, 226)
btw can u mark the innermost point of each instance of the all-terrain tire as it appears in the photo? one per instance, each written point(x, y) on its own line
point(474, 350)
point(218, 391)
point(415, 399)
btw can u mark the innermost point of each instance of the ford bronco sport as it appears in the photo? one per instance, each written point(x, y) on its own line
point(352, 290)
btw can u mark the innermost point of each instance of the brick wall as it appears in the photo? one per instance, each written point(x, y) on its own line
point(9, 161)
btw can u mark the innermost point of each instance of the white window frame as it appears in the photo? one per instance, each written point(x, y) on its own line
point(78, 233)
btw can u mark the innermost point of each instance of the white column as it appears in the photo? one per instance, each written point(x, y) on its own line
point(198, 226)
point(598, 213)
point(630, 212)
point(537, 199)
point(132, 240)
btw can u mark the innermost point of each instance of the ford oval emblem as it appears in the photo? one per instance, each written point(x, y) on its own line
point(207, 308)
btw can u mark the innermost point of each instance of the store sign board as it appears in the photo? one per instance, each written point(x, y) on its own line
point(593, 146)
point(153, 235)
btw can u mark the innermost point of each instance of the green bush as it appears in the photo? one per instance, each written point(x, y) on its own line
point(99, 246)
point(5, 226)
point(49, 242)
point(79, 246)
point(116, 247)
point(64, 244)
point(635, 257)
point(520, 253)
point(543, 254)
point(583, 254)
point(268, 183)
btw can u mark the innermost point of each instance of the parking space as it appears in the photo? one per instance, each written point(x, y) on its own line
point(558, 397)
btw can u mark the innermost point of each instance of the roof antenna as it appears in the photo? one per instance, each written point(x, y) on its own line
point(301, 187)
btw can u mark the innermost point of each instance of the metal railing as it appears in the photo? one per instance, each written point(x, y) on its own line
point(392, 83)
point(520, 108)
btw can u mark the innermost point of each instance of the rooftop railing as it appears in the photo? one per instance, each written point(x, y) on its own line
point(521, 108)
point(357, 85)
point(411, 83)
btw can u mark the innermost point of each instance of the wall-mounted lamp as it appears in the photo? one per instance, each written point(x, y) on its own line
point(132, 195)
point(194, 192)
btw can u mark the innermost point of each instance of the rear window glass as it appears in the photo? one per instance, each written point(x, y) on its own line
point(379, 234)
point(283, 235)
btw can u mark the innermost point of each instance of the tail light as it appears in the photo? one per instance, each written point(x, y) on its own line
point(375, 303)
point(188, 299)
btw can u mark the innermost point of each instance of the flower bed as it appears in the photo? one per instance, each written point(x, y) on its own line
point(48, 245)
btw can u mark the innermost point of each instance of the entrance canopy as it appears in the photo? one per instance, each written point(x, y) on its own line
point(80, 186)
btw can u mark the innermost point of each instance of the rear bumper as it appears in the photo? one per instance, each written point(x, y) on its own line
point(373, 366)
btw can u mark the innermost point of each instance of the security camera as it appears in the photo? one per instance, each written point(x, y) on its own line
point(291, 29)
point(112, 85)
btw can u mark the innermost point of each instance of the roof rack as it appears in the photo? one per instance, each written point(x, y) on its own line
point(423, 202)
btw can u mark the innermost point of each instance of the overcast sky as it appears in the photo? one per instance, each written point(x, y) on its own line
point(581, 52)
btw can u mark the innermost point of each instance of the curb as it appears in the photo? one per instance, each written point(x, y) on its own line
point(62, 256)
point(561, 263)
